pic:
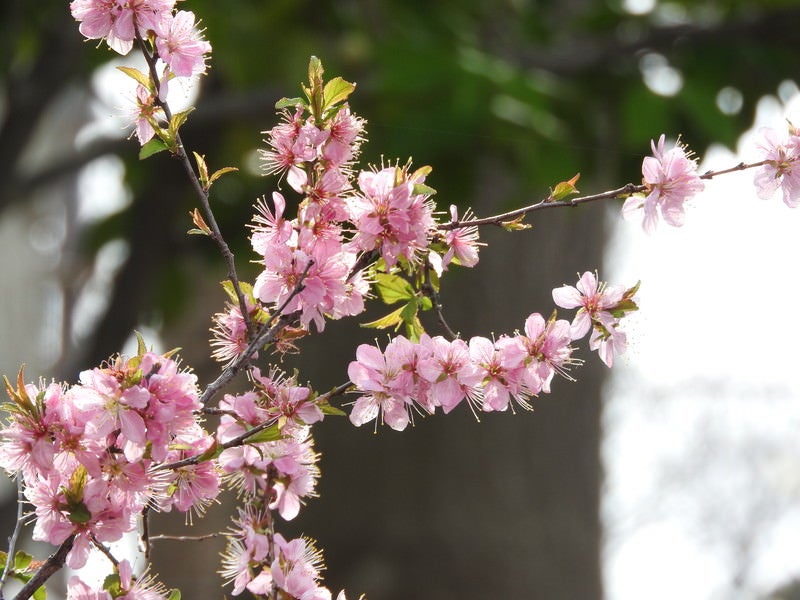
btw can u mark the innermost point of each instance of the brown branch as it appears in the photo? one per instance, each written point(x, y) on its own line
point(622, 192)
point(200, 192)
point(52, 565)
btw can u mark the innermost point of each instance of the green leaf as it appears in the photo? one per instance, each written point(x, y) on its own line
point(423, 190)
point(219, 173)
point(565, 188)
point(393, 288)
point(174, 594)
point(202, 169)
point(336, 90)
point(269, 434)
point(393, 319)
point(40, 594)
point(78, 513)
point(152, 147)
point(21, 560)
point(138, 76)
point(113, 585)
point(177, 120)
point(327, 409)
point(515, 224)
point(141, 347)
point(288, 103)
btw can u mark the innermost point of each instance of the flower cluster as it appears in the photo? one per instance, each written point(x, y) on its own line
point(780, 170)
point(119, 586)
point(89, 454)
point(279, 461)
point(314, 263)
point(173, 37)
point(258, 562)
point(436, 372)
point(671, 179)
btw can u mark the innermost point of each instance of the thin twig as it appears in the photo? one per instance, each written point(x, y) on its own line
point(12, 541)
point(266, 334)
point(184, 538)
point(431, 293)
point(622, 192)
point(97, 544)
point(52, 565)
point(201, 193)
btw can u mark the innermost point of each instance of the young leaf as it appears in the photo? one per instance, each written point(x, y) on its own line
point(270, 434)
point(289, 103)
point(22, 560)
point(423, 190)
point(336, 90)
point(138, 76)
point(564, 189)
point(174, 594)
point(201, 227)
point(392, 288)
point(141, 347)
point(393, 319)
point(515, 224)
point(219, 173)
point(154, 146)
point(202, 169)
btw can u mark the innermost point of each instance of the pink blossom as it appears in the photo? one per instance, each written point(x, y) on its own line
point(463, 242)
point(346, 131)
point(498, 364)
point(383, 379)
point(449, 370)
point(547, 344)
point(595, 302)
point(671, 179)
point(781, 170)
point(144, 113)
point(181, 46)
point(77, 589)
point(389, 216)
point(117, 21)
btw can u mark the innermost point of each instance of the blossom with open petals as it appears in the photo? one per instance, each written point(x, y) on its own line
point(671, 179)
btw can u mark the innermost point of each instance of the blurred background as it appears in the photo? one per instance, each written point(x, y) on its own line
point(650, 485)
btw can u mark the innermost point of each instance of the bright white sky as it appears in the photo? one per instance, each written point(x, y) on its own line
point(702, 450)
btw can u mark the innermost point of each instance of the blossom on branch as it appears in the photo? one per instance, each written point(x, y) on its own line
point(781, 170)
point(671, 179)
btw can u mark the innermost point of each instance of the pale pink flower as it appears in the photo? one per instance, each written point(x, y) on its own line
point(390, 217)
point(498, 365)
point(547, 344)
point(77, 589)
point(117, 21)
point(180, 45)
point(782, 170)
point(671, 179)
point(346, 131)
point(385, 388)
point(449, 370)
point(145, 111)
point(463, 242)
point(595, 300)
point(607, 339)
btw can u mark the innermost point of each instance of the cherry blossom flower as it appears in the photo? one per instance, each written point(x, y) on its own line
point(782, 170)
point(449, 370)
point(463, 242)
point(671, 179)
point(389, 216)
point(181, 46)
point(595, 302)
